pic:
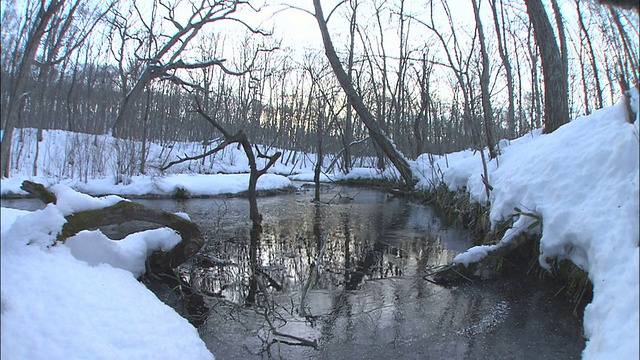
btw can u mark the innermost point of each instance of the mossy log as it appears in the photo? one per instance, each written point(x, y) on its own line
point(125, 211)
point(39, 191)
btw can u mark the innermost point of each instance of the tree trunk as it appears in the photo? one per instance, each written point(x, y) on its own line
point(630, 59)
point(370, 122)
point(591, 56)
point(502, 49)
point(318, 168)
point(484, 83)
point(556, 104)
point(36, 32)
point(348, 126)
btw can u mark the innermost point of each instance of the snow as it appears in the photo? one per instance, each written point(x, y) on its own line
point(69, 201)
point(583, 181)
point(356, 173)
point(308, 176)
point(129, 254)
point(89, 163)
point(9, 216)
point(478, 253)
point(193, 184)
point(81, 298)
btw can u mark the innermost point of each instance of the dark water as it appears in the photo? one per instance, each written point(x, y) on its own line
point(349, 275)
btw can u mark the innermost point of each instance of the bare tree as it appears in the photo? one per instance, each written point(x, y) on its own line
point(592, 58)
point(502, 50)
point(458, 62)
point(53, 19)
point(34, 33)
point(426, 103)
point(348, 126)
point(167, 61)
point(485, 79)
point(363, 112)
point(630, 61)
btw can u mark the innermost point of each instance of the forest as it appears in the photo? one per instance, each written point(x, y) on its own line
point(320, 179)
point(434, 78)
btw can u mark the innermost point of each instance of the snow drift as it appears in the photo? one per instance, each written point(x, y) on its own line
point(81, 300)
point(583, 181)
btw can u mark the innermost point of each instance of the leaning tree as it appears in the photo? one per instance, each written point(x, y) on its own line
point(378, 136)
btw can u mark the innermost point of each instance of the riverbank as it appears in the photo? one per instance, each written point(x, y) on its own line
point(456, 209)
point(577, 189)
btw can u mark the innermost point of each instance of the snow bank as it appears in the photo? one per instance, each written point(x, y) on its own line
point(357, 173)
point(309, 176)
point(75, 301)
point(67, 155)
point(128, 254)
point(69, 201)
point(583, 181)
point(194, 184)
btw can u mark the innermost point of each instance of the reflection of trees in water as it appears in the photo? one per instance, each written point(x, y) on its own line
point(363, 241)
point(332, 249)
point(380, 312)
point(255, 232)
point(372, 261)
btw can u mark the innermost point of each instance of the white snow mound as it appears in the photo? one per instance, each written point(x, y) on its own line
point(582, 180)
point(56, 306)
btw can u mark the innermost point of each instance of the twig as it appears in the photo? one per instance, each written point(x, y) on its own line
point(442, 269)
point(275, 332)
point(459, 273)
point(302, 341)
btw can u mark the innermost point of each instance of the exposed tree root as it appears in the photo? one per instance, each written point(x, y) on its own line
point(487, 268)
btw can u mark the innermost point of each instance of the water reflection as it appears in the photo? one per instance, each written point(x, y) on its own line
point(368, 237)
point(349, 274)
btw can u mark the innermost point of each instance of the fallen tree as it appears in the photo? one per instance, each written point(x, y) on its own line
point(160, 263)
point(488, 267)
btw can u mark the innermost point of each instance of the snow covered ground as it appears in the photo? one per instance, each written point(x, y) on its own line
point(582, 180)
point(81, 300)
point(68, 301)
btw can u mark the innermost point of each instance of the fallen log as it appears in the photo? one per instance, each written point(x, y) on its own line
point(125, 211)
point(39, 191)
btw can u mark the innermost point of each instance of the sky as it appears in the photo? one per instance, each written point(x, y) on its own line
point(298, 33)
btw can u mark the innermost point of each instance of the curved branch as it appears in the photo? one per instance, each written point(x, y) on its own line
point(334, 9)
point(251, 29)
point(228, 141)
point(125, 211)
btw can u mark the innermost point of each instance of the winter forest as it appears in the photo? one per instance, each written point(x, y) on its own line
point(437, 78)
point(512, 122)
